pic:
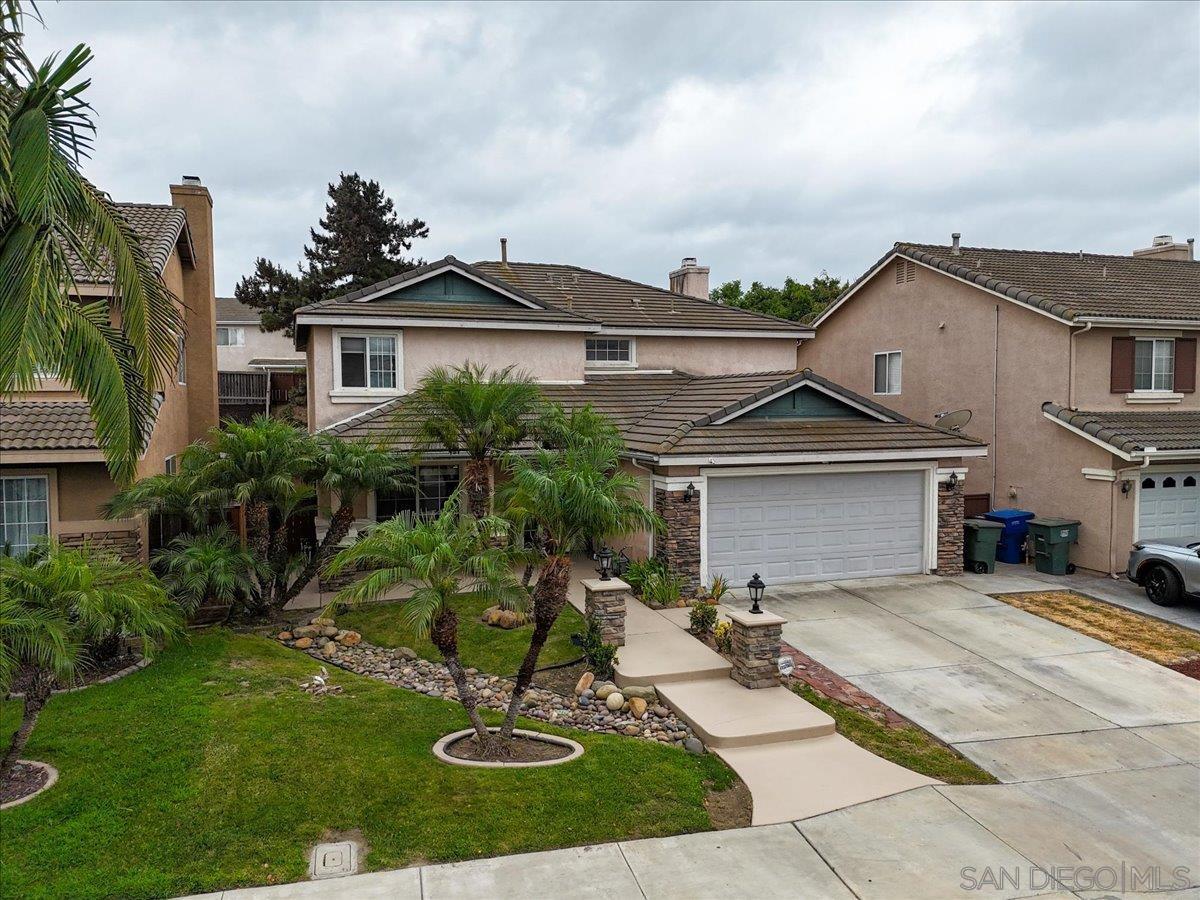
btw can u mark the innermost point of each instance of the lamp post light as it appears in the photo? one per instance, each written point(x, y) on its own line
point(755, 586)
point(605, 558)
point(621, 564)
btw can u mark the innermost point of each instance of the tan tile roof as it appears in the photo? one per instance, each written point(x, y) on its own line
point(1133, 432)
point(661, 415)
point(1070, 285)
point(46, 425)
point(621, 303)
point(160, 227)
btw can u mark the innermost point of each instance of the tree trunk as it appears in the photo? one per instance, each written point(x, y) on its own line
point(477, 478)
point(258, 538)
point(444, 635)
point(549, 598)
point(36, 696)
point(338, 529)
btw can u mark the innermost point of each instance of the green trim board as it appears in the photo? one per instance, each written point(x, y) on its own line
point(805, 403)
point(448, 287)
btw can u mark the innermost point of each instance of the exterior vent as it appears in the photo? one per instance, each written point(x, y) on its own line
point(906, 270)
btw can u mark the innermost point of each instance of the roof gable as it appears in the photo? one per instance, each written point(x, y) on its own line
point(805, 402)
point(449, 286)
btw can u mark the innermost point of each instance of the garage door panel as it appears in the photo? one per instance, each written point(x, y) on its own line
point(816, 527)
point(1169, 506)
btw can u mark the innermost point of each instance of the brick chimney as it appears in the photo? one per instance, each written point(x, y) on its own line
point(690, 280)
point(1164, 247)
point(200, 307)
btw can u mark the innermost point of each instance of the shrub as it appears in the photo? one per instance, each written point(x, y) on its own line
point(207, 568)
point(640, 570)
point(662, 588)
point(718, 587)
point(702, 618)
point(723, 635)
point(601, 657)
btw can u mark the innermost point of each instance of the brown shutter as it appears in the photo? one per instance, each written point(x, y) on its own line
point(1121, 373)
point(1185, 365)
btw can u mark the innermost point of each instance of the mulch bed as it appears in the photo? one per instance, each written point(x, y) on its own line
point(1190, 668)
point(523, 749)
point(25, 780)
point(832, 685)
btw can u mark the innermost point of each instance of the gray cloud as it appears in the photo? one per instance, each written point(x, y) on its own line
point(768, 139)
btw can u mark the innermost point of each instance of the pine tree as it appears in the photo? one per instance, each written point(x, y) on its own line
point(275, 292)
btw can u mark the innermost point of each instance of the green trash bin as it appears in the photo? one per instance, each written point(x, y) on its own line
point(1052, 539)
point(980, 538)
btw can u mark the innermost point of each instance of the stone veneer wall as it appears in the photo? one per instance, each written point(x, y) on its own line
point(756, 649)
point(679, 546)
point(125, 542)
point(950, 529)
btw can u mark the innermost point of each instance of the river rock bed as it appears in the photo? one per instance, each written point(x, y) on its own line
point(403, 668)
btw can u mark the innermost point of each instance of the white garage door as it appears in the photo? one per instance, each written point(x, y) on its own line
point(1169, 506)
point(816, 527)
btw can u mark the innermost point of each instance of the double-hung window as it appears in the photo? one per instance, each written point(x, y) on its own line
point(368, 362)
point(1154, 364)
point(434, 485)
point(609, 351)
point(887, 372)
point(231, 336)
point(24, 512)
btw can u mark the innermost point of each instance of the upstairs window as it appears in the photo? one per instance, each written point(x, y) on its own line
point(887, 372)
point(230, 336)
point(369, 362)
point(609, 351)
point(1154, 364)
point(434, 486)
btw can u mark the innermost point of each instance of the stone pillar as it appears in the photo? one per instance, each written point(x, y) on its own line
point(604, 604)
point(679, 546)
point(950, 528)
point(756, 648)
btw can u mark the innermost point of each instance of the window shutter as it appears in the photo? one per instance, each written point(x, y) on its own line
point(1121, 373)
point(1185, 365)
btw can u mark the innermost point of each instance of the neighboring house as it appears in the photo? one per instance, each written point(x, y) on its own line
point(1079, 370)
point(754, 466)
point(52, 471)
point(254, 365)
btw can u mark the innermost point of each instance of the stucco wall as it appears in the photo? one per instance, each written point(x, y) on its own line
point(716, 356)
point(259, 343)
point(1093, 361)
point(957, 342)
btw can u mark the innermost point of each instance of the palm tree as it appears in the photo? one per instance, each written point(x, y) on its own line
point(207, 567)
point(55, 601)
point(347, 470)
point(570, 496)
point(443, 560)
point(467, 409)
point(113, 351)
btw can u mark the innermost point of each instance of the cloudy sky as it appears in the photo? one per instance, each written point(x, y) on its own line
point(768, 140)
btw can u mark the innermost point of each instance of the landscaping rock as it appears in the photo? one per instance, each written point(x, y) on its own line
point(661, 711)
point(349, 638)
point(644, 691)
point(306, 631)
point(303, 643)
point(603, 689)
point(321, 621)
point(585, 682)
point(631, 730)
point(693, 745)
point(329, 649)
point(614, 701)
point(637, 706)
point(404, 653)
point(284, 636)
point(330, 631)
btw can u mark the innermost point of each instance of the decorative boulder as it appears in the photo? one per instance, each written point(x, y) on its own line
point(603, 689)
point(404, 653)
point(303, 643)
point(329, 649)
point(349, 638)
point(284, 636)
point(585, 682)
point(330, 631)
point(321, 621)
point(645, 691)
point(614, 701)
point(306, 631)
point(637, 706)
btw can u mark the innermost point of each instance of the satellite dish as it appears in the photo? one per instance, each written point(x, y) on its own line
point(954, 420)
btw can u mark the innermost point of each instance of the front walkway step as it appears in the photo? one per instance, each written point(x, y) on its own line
point(725, 714)
point(798, 779)
point(667, 656)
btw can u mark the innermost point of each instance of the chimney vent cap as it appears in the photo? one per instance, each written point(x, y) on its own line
point(1161, 240)
point(954, 239)
point(193, 180)
point(688, 261)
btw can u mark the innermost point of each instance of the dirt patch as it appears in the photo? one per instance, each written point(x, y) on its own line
point(520, 749)
point(1144, 636)
point(561, 681)
point(24, 780)
point(730, 808)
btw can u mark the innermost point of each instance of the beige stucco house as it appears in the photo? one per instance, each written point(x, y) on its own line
point(253, 365)
point(52, 471)
point(755, 465)
point(1079, 371)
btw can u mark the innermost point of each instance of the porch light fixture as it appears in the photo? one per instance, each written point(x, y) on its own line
point(952, 480)
point(689, 493)
point(605, 558)
point(621, 564)
point(756, 587)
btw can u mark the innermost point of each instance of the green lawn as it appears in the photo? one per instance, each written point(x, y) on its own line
point(492, 650)
point(909, 747)
point(210, 769)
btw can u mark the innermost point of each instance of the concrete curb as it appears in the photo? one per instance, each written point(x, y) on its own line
point(108, 679)
point(439, 750)
point(51, 778)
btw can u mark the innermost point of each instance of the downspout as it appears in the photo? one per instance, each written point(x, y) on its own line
point(633, 461)
point(1071, 364)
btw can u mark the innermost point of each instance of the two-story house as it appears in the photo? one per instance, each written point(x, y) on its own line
point(754, 465)
point(1078, 369)
point(52, 472)
point(256, 369)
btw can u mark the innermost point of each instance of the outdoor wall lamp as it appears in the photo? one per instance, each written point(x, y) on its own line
point(952, 480)
point(756, 587)
point(689, 493)
point(605, 558)
point(621, 564)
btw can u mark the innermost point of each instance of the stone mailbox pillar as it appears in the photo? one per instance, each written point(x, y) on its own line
point(604, 604)
point(756, 640)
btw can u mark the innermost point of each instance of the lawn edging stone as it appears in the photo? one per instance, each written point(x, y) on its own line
point(51, 778)
point(441, 752)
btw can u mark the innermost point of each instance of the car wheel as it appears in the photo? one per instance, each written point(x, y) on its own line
point(1163, 586)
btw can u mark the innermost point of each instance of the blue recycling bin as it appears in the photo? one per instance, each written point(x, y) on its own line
point(1012, 538)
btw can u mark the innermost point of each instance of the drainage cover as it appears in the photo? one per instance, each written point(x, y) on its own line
point(334, 860)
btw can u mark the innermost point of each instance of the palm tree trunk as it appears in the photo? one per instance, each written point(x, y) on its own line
point(444, 636)
point(36, 696)
point(339, 527)
point(477, 475)
point(549, 598)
